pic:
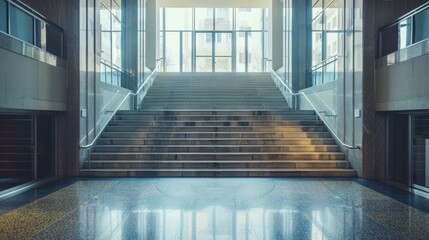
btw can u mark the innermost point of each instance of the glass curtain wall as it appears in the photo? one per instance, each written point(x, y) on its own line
point(327, 40)
point(287, 43)
point(111, 41)
point(141, 39)
point(213, 39)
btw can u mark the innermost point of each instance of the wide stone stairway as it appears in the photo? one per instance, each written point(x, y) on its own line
point(216, 125)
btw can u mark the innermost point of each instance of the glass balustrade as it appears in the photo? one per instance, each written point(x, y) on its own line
point(405, 32)
point(25, 24)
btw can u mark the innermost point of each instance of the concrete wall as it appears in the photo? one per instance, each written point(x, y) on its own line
point(403, 86)
point(28, 84)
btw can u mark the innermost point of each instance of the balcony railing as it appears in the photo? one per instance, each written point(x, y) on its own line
point(408, 30)
point(21, 22)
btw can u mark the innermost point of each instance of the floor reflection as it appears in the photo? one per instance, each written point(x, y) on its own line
point(226, 209)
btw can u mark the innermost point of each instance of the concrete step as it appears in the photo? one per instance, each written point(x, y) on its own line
point(180, 172)
point(304, 135)
point(213, 117)
point(229, 164)
point(187, 129)
point(214, 141)
point(217, 123)
point(220, 112)
point(213, 148)
point(237, 118)
point(218, 156)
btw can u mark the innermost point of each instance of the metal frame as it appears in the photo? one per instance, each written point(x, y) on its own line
point(35, 17)
point(213, 56)
point(411, 15)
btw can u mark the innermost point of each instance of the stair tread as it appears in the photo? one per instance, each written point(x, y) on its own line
point(217, 146)
point(226, 169)
point(218, 161)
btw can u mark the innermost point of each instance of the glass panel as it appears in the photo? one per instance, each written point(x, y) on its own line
point(317, 8)
point(40, 34)
point(333, 26)
point(223, 44)
point(116, 9)
point(421, 29)
point(240, 58)
point(389, 40)
point(203, 18)
point(317, 41)
point(223, 64)
point(204, 44)
point(106, 3)
point(421, 150)
point(405, 33)
point(45, 146)
point(178, 19)
point(204, 64)
point(106, 47)
point(103, 76)
point(3, 16)
point(21, 25)
point(249, 20)
point(254, 56)
point(54, 40)
point(172, 51)
point(187, 51)
point(223, 19)
point(116, 42)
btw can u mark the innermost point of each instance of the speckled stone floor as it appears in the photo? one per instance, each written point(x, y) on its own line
point(214, 209)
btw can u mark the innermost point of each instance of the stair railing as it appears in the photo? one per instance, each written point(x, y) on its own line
point(146, 85)
point(277, 80)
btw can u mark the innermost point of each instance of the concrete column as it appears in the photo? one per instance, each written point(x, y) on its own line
point(130, 45)
point(276, 34)
point(152, 33)
point(301, 51)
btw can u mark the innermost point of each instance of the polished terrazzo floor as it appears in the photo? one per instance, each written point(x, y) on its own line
point(214, 209)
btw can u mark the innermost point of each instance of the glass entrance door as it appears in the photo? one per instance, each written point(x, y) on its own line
point(420, 152)
point(213, 51)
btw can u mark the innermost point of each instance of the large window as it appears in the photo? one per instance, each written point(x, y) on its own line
point(327, 37)
point(111, 41)
point(213, 39)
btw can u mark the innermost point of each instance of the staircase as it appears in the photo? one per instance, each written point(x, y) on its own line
point(216, 125)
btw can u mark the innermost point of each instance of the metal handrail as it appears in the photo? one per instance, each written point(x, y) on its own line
point(325, 63)
point(407, 15)
point(315, 109)
point(119, 106)
point(34, 13)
